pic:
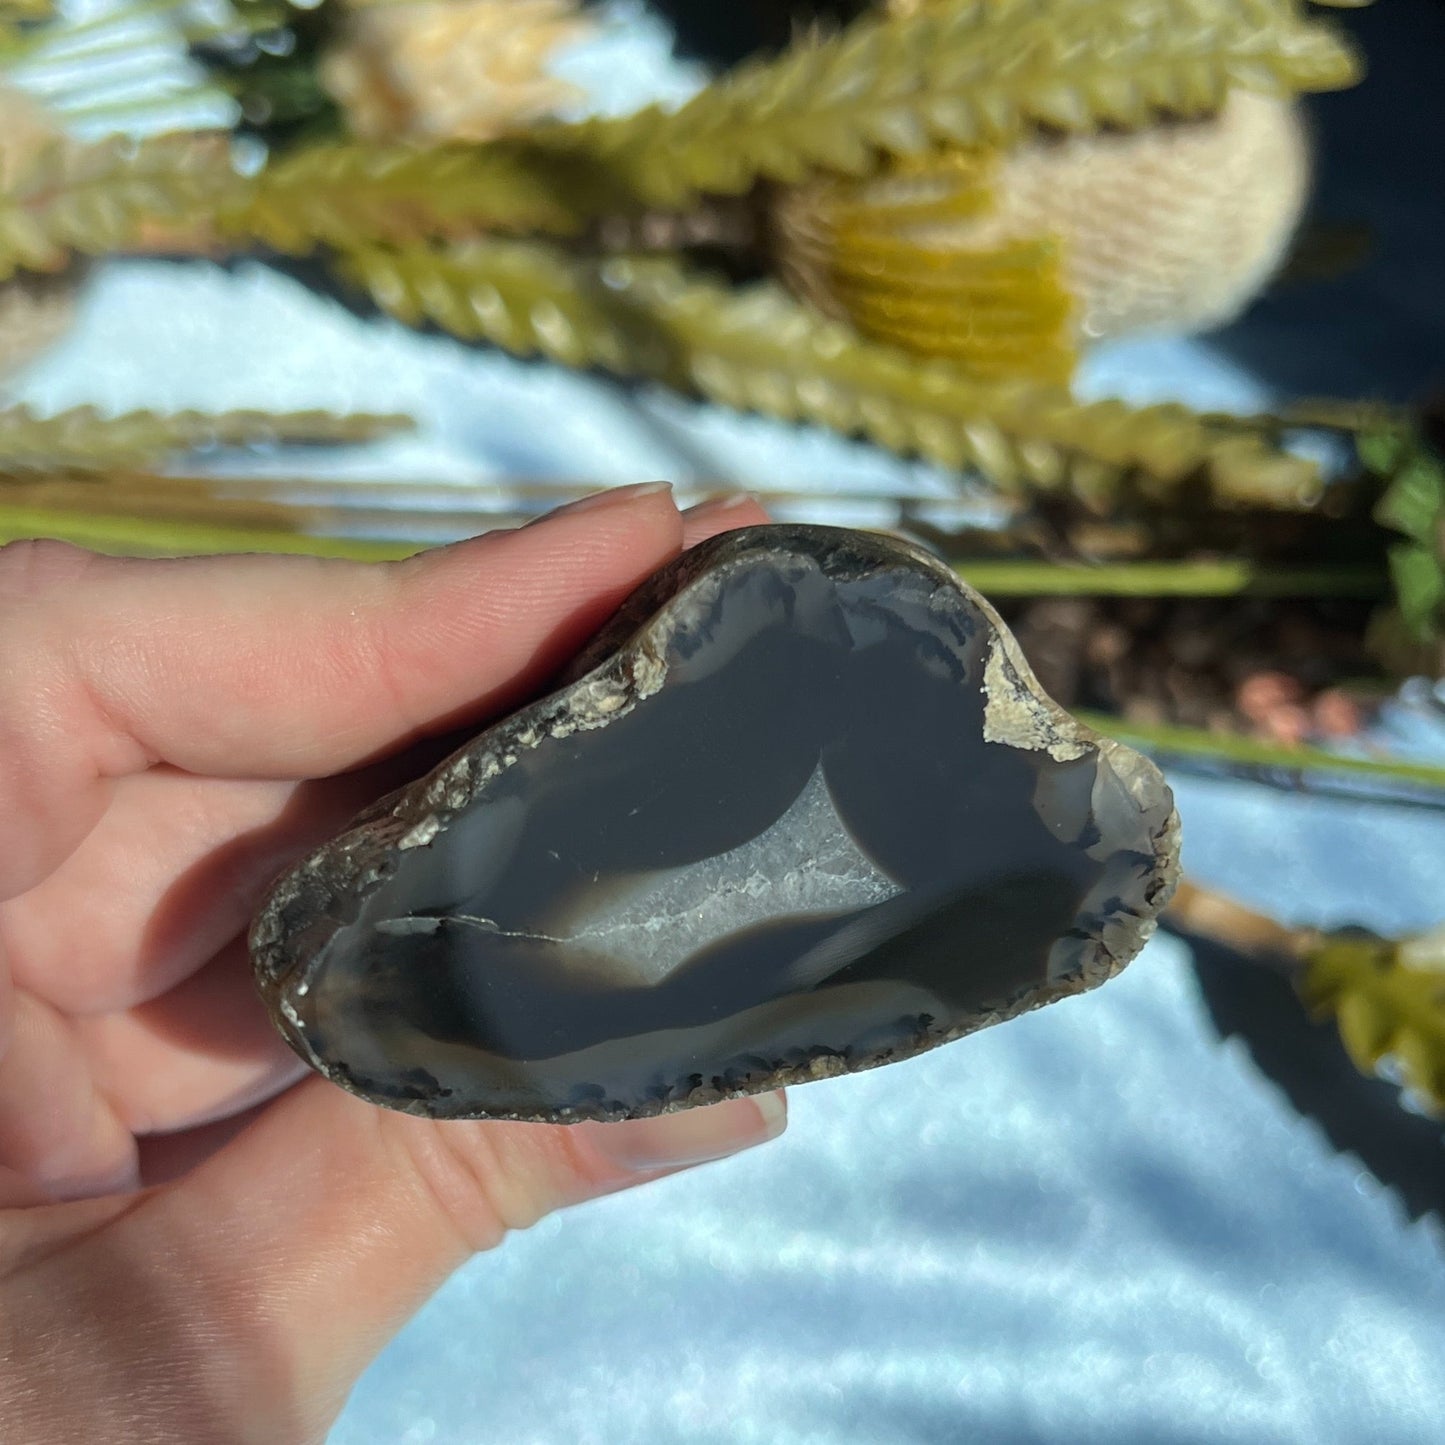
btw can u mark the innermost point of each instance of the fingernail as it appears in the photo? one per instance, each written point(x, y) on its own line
point(597, 501)
point(693, 1136)
point(721, 505)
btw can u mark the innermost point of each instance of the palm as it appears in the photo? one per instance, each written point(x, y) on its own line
point(135, 1014)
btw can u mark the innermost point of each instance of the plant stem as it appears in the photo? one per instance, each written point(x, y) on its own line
point(149, 536)
point(1227, 578)
point(1202, 911)
point(1253, 752)
point(421, 499)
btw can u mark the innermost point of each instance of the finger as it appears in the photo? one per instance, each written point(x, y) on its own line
point(169, 875)
point(329, 1209)
point(18, 1192)
point(202, 1052)
point(177, 865)
point(164, 880)
point(721, 514)
point(284, 667)
point(56, 1128)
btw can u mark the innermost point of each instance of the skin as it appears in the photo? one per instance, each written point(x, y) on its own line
point(196, 1243)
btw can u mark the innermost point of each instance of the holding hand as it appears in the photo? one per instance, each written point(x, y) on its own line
point(181, 1260)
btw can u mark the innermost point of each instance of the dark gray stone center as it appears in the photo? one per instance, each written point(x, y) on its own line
point(807, 805)
point(791, 842)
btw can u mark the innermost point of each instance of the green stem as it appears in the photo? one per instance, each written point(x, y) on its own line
point(994, 578)
point(150, 536)
point(1254, 752)
point(1169, 579)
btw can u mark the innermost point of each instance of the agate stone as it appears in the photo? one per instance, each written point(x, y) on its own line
point(800, 809)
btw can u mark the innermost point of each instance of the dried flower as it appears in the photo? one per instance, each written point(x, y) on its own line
point(1006, 261)
point(449, 69)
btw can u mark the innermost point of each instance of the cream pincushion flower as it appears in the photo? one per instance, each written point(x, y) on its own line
point(449, 69)
point(1006, 261)
point(1171, 228)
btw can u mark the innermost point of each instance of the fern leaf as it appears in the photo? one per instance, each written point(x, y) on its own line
point(759, 350)
point(119, 193)
point(1414, 499)
point(962, 72)
point(350, 194)
point(99, 198)
point(1412, 502)
point(84, 440)
point(1388, 1000)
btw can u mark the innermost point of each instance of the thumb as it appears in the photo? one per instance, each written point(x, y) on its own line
point(250, 1294)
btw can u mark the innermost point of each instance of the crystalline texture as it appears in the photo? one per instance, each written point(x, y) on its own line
point(801, 809)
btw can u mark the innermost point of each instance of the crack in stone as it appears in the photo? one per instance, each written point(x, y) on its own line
point(805, 865)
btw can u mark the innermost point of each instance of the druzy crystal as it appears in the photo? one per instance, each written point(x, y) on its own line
point(801, 809)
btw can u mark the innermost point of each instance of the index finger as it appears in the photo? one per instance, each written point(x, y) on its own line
point(282, 667)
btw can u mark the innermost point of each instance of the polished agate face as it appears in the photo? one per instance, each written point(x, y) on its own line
point(800, 810)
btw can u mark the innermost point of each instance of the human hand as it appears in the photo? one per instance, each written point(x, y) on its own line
point(181, 1260)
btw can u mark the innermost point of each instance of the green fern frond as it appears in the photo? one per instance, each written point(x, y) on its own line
point(963, 72)
point(1412, 503)
point(99, 198)
point(759, 350)
point(351, 194)
point(120, 193)
point(1388, 999)
point(85, 440)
